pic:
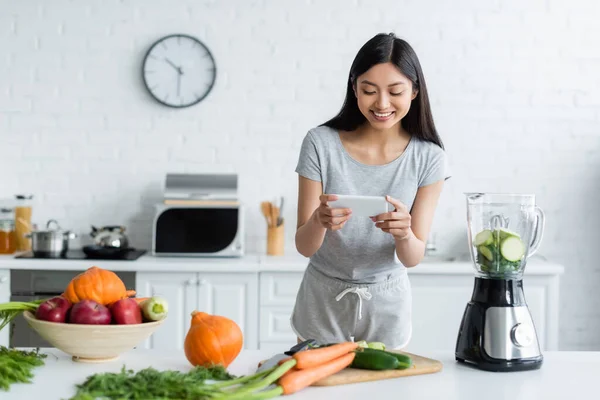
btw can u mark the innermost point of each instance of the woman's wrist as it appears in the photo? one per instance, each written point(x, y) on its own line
point(410, 249)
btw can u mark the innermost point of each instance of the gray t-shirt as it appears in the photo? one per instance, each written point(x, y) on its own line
point(361, 252)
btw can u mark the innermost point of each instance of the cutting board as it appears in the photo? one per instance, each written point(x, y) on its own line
point(421, 365)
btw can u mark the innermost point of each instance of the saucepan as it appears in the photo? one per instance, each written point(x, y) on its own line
point(52, 242)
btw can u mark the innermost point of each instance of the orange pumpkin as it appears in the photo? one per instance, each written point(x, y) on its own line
point(212, 340)
point(97, 284)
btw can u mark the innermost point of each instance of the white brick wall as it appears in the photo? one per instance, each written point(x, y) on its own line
point(514, 86)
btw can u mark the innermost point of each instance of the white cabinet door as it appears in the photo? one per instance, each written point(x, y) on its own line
point(232, 295)
point(4, 298)
point(278, 291)
point(439, 302)
point(181, 291)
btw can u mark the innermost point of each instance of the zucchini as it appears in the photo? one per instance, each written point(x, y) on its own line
point(505, 233)
point(377, 360)
point(404, 361)
point(512, 249)
point(486, 252)
point(484, 238)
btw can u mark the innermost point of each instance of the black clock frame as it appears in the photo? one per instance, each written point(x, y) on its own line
point(156, 43)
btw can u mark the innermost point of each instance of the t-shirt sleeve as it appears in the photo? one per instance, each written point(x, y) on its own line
point(309, 163)
point(436, 168)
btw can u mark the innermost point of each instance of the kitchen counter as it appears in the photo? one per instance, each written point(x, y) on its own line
point(247, 263)
point(563, 375)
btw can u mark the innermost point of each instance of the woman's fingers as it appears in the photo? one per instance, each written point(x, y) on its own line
point(324, 198)
point(393, 224)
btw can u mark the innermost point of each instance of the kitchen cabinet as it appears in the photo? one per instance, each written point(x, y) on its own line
point(230, 295)
point(4, 298)
point(439, 300)
point(277, 297)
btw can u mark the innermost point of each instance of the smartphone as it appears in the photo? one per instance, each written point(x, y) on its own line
point(362, 206)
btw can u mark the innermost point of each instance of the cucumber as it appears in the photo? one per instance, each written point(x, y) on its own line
point(404, 361)
point(376, 360)
point(504, 233)
point(484, 238)
point(376, 345)
point(486, 252)
point(512, 249)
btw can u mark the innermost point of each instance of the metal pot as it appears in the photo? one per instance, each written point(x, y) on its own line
point(112, 237)
point(51, 242)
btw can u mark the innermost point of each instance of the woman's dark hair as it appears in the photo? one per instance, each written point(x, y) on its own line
point(384, 48)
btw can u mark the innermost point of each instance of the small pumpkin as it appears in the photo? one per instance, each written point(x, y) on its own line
point(212, 340)
point(101, 285)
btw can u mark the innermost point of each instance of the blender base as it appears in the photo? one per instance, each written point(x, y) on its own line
point(496, 331)
point(505, 365)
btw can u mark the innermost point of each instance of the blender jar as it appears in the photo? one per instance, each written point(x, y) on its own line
point(503, 231)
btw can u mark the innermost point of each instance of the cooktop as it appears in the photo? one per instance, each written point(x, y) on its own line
point(78, 254)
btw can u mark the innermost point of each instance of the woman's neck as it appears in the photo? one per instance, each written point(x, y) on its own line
point(379, 137)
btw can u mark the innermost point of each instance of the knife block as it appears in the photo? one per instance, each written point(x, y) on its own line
point(275, 240)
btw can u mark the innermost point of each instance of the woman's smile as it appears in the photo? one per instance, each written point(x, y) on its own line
point(382, 116)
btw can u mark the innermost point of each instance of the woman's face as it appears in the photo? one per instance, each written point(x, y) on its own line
point(384, 95)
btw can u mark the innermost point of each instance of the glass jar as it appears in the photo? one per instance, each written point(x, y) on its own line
point(8, 239)
point(23, 226)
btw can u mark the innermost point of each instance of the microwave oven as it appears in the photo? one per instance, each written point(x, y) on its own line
point(199, 216)
point(212, 230)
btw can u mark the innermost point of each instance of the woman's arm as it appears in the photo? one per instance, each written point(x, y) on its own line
point(411, 249)
point(315, 216)
point(309, 235)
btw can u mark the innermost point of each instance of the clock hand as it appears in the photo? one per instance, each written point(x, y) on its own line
point(178, 84)
point(173, 65)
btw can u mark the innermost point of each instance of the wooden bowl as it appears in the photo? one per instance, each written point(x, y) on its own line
point(92, 343)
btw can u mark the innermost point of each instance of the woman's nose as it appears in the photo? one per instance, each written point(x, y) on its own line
point(383, 101)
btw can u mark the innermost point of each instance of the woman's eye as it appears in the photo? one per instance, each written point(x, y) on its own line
point(397, 94)
point(368, 93)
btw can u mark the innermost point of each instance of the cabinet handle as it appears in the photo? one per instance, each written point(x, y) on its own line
point(3, 279)
point(203, 282)
point(191, 282)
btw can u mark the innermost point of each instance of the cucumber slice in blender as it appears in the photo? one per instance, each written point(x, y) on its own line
point(512, 249)
point(506, 233)
point(486, 252)
point(483, 238)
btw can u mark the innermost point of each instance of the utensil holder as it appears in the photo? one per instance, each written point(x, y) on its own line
point(275, 240)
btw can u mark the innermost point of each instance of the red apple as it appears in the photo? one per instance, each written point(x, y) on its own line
point(126, 311)
point(89, 312)
point(55, 309)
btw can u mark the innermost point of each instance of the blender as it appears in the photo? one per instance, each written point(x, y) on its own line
point(497, 332)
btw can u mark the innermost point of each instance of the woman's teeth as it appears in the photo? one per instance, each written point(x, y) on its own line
point(380, 115)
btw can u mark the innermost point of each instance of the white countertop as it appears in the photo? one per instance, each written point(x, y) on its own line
point(247, 263)
point(563, 375)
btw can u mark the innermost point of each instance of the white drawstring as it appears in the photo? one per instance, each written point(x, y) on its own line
point(363, 293)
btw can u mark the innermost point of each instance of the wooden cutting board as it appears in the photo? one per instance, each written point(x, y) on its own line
point(421, 365)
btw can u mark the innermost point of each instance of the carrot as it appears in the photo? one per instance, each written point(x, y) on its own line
point(313, 357)
point(294, 381)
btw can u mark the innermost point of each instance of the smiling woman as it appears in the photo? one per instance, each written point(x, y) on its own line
point(383, 142)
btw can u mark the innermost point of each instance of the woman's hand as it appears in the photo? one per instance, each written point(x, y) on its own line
point(396, 222)
point(330, 218)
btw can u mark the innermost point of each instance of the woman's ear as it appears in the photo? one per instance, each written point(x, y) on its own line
point(414, 94)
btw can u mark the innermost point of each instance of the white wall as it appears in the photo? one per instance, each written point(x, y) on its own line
point(514, 88)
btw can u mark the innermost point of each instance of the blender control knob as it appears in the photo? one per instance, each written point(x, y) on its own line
point(522, 335)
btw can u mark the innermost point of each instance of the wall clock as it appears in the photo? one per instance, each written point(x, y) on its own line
point(179, 71)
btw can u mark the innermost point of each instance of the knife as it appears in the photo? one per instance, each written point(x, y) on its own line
point(272, 362)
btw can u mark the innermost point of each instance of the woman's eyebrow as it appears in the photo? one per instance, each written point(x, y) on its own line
point(390, 85)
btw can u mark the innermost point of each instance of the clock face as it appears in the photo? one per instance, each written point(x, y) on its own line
point(179, 71)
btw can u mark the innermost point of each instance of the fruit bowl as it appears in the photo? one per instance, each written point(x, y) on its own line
point(92, 343)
